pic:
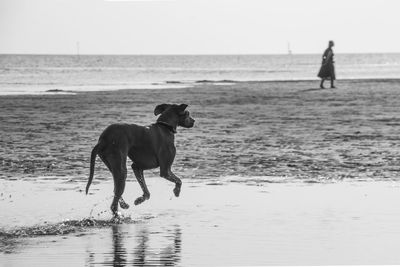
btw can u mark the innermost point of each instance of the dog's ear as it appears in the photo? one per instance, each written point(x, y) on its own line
point(160, 109)
point(182, 107)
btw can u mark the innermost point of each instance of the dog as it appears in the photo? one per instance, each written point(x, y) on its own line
point(148, 147)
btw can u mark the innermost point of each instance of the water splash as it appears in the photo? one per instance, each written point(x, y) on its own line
point(68, 227)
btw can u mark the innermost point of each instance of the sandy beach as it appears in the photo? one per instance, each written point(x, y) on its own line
point(274, 173)
point(291, 129)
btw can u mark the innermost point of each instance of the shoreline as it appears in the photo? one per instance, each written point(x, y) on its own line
point(184, 85)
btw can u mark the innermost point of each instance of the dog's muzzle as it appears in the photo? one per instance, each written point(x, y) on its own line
point(189, 122)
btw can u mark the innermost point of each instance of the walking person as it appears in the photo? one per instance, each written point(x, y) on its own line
point(327, 70)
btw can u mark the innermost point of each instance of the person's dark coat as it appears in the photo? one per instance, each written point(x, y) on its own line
point(327, 70)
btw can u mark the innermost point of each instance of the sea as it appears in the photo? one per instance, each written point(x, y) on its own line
point(41, 74)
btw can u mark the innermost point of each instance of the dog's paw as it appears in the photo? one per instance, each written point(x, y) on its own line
point(114, 210)
point(123, 205)
point(139, 200)
point(177, 191)
point(116, 218)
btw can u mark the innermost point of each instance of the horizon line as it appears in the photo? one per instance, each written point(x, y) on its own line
point(186, 54)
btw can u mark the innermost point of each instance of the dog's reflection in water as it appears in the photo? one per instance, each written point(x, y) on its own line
point(168, 255)
point(172, 253)
point(119, 249)
point(142, 253)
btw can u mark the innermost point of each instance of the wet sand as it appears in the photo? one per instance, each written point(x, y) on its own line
point(274, 173)
point(233, 224)
point(281, 129)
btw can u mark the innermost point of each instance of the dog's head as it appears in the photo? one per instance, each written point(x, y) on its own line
point(174, 115)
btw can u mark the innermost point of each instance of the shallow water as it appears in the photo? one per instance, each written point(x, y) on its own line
point(31, 74)
point(229, 224)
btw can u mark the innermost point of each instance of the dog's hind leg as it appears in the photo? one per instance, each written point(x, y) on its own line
point(104, 159)
point(122, 202)
point(140, 178)
point(117, 163)
point(119, 187)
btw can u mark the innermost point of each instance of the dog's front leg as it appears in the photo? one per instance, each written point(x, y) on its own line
point(170, 176)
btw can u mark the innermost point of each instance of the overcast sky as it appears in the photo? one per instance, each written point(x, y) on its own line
point(198, 26)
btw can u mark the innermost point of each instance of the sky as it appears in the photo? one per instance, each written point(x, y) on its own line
point(198, 26)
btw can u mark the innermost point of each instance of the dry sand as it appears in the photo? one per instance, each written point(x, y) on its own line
point(273, 172)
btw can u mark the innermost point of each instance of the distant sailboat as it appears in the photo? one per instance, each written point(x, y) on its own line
point(290, 58)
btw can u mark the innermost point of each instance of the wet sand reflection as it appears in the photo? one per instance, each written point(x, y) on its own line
point(148, 248)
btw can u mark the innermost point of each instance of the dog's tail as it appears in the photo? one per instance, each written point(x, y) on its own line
point(92, 161)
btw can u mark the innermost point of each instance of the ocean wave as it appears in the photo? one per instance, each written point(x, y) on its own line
point(45, 89)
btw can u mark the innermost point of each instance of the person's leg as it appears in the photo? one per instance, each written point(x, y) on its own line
point(322, 83)
point(333, 76)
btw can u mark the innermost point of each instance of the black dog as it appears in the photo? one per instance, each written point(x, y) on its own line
point(148, 148)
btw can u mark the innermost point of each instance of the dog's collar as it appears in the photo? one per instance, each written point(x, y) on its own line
point(167, 125)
